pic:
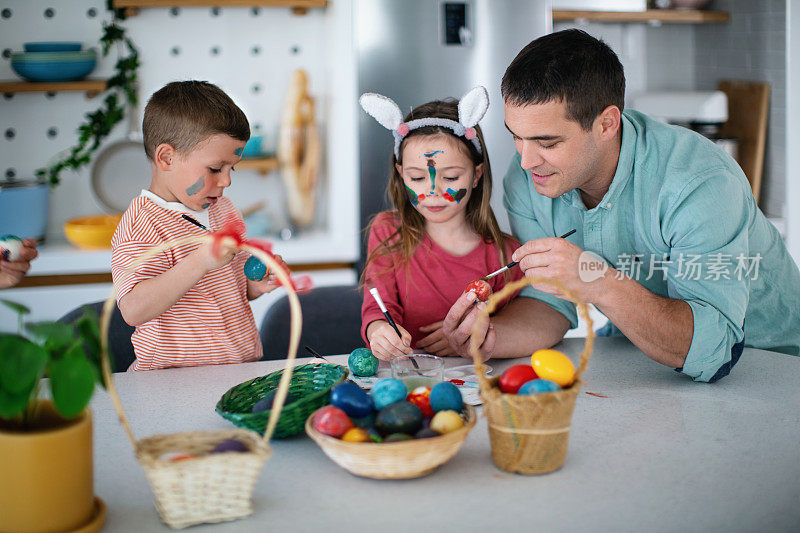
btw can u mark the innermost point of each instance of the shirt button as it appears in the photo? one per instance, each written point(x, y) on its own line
point(608, 204)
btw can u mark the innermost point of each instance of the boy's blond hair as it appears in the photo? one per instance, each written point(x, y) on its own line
point(183, 113)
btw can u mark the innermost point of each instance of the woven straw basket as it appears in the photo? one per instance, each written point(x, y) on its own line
point(208, 488)
point(394, 460)
point(529, 434)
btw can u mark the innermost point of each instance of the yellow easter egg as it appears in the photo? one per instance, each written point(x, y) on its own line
point(446, 421)
point(356, 435)
point(553, 365)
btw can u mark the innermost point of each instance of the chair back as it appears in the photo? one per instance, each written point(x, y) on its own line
point(119, 335)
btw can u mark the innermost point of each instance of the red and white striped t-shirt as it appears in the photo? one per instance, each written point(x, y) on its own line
point(212, 323)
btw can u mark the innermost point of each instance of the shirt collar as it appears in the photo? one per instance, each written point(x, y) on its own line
point(621, 176)
point(200, 216)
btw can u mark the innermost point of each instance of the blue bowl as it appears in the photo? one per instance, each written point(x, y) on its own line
point(54, 46)
point(53, 70)
point(23, 209)
point(253, 147)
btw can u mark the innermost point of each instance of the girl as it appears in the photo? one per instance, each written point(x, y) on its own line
point(442, 233)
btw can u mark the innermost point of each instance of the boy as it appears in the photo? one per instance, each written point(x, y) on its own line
point(189, 306)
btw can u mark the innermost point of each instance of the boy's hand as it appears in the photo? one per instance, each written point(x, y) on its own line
point(435, 343)
point(384, 342)
point(11, 272)
point(269, 283)
point(208, 261)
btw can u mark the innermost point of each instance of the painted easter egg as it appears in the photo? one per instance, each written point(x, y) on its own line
point(10, 247)
point(362, 362)
point(481, 288)
point(515, 376)
point(421, 397)
point(388, 391)
point(374, 435)
point(426, 433)
point(553, 365)
point(446, 421)
point(365, 422)
point(254, 269)
point(230, 445)
point(538, 386)
point(356, 435)
point(265, 403)
point(175, 456)
point(397, 437)
point(351, 399)
point(446, 396)
point(330, 420)
point(400, 417)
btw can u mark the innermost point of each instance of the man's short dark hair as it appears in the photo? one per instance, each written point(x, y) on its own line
point(569, 66)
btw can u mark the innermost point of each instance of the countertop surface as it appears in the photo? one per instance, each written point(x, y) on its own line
point(658, 453)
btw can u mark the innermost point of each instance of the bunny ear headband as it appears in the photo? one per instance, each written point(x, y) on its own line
point(471, 109)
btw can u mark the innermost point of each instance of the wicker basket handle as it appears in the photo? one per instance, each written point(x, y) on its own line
point(496, 298)
point(294, 337)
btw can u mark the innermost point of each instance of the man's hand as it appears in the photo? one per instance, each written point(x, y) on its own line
point(458, 325)
point(558, 259)
point(435, 343)
point(11, 272)
point(384, 342)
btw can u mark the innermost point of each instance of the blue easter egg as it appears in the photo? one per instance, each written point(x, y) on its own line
point(446, 397)
point(362, 363)
point(230, 445)
point(388, 391)
point(351, 399)
point(265, 403)
point(400, 417)
point(254, 269)
point(538, 386)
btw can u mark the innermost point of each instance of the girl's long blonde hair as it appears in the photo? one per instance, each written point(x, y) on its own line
point(411, 224)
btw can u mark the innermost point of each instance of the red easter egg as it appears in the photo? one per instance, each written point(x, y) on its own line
point(421, 397)
point(516, 376)
point(481, 289)
point(331, 421)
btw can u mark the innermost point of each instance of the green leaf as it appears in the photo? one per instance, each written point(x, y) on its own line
point(14, 306)
point(12, 405)
point(71, 381)
point(54, 336)
point(21, 364)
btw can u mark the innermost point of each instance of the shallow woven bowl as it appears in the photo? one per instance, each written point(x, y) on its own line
point(91, 232)
point(394, 460)
point(311, 386)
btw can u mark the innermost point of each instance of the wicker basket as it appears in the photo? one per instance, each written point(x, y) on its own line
point(394, 460)
point(529, 434)
point(207, 488)
point(311, 384)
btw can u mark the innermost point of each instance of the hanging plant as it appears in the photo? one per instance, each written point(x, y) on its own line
point(120, 93)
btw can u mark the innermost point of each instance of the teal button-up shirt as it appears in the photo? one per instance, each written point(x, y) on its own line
point(680, 218)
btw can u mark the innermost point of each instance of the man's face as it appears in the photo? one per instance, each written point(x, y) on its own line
point(557, 153)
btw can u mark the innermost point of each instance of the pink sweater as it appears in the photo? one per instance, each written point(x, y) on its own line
point(423, 290)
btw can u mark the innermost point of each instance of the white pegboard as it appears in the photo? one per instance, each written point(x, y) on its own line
point(249, 52)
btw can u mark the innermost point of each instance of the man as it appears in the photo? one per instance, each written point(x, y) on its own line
point(11, 272)
point(670, 244)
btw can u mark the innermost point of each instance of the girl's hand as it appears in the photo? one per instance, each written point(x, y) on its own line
point(205, 258)
point(269, 283)
point(435, 343)
point(384, 342)
point(11, 272)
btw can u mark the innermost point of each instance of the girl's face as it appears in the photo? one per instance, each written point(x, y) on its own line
point(439, 176)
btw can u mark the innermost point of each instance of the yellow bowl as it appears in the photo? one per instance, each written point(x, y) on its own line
point(91, 232)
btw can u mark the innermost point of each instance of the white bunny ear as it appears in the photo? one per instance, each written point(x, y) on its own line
point(473, 106)
point(382, 109)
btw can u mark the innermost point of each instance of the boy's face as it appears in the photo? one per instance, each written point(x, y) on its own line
point(439, 176)
point(196, 179)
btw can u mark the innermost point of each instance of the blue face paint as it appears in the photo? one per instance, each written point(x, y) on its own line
point(432, 174)
point(205, 205)
point(412, 196)
point(431, 154)
point(456, 196)
point(194, 189)
point(238, 151)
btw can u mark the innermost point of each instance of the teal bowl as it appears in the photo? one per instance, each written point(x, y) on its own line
point(53, 70)
point(81, 55)
point(53, 46)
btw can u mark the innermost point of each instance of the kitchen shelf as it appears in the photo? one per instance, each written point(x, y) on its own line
point(657, 16)
point(264, 165)
point(91, 87)
point(299, 7)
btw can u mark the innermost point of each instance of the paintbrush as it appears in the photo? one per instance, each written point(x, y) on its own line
point(512, 264)
point(374, 292)
point(315, 354)
point(193, 221)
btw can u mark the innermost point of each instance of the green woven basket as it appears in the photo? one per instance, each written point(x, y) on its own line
point(311, 384)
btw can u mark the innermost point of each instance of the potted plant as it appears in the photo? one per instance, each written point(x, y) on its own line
point(46, 463)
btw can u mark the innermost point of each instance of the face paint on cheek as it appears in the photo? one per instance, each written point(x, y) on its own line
point(412, 196)
point(194, 189)
point(205, 205)
point(452, 195)
point(238, 152)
